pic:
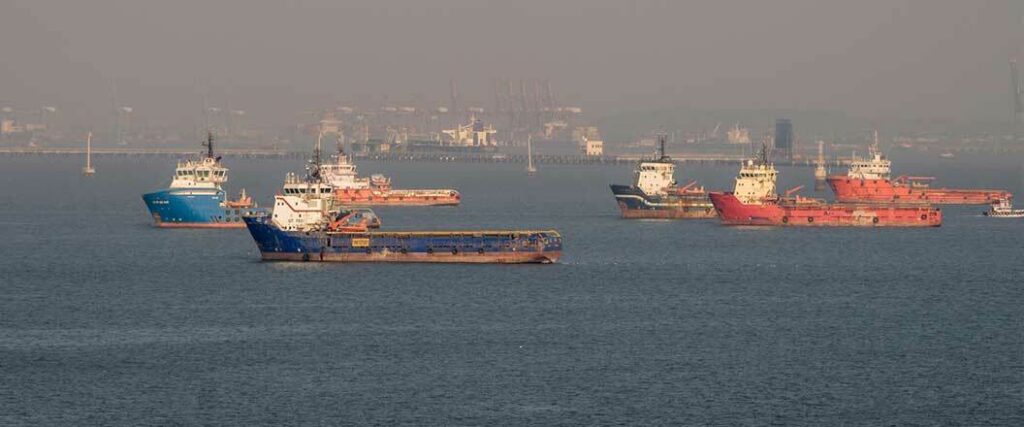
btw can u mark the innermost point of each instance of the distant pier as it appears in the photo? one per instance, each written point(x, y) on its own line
point(147, 152)
point(562, 159)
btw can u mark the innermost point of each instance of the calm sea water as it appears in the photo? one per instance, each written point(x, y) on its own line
point(106, 320)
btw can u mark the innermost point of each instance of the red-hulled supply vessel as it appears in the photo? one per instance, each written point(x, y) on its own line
point(869, 181)
point(754, 201)
point(352, 190)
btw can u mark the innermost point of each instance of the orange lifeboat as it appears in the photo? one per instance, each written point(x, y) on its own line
point(243, 201)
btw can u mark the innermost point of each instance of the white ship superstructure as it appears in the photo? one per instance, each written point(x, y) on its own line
point(756, 181)
point(655, 177)
point(874, 167)
point(303, 205)
point(205, 173)
point(341, 173)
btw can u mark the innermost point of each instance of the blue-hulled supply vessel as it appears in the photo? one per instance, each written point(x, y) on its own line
point(308, 224)
point(195, 198)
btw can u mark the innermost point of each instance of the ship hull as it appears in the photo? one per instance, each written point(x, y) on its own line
point(440, 258)
point(734, 212)
point(1004, 215)
point(367, 197)
point(635, 204)
point(483, 247)
point(849, 190)
point(193, 208)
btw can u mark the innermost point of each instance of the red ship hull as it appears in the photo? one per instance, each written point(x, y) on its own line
point(815, 214)
point(886, 191)
point(368, 197)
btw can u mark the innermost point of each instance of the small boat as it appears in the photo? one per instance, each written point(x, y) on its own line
point(1004, 209)
point(947, 155)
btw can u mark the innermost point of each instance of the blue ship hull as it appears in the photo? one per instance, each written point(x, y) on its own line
point(193, 208)
point(405, 246)
point(634, 203)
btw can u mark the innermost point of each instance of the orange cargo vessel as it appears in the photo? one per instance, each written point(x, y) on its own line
point(754, 201)
point(869, 181)
point(351, 190)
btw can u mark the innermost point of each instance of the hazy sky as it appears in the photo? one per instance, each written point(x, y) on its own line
point(913, 58)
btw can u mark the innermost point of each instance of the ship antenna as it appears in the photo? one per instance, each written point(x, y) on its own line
point(764, 152)
point(319, 139)
point(209, 144)
point(313, 170)
point(661, 142)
